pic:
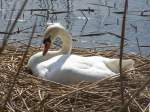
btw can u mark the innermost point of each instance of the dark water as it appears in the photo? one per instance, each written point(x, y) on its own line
point(83, 17)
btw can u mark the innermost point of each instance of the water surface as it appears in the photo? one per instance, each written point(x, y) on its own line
point(81, 18)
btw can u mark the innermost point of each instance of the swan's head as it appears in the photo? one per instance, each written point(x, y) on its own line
point(52, 31)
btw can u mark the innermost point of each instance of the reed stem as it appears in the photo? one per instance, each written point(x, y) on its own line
point(19, 68)
point(121, 51)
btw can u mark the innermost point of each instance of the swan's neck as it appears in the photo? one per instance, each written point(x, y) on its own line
point(66, 42)
point(66, 47)
point(57, 30)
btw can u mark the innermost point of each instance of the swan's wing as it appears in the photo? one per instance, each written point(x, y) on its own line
point(74, 68)
point(113, 64)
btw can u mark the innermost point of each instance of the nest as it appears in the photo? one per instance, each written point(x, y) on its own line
point(32, 93)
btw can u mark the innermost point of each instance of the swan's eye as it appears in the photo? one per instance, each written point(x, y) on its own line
point(47, 40)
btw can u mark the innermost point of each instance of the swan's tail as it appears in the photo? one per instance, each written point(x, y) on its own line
point(113, 64)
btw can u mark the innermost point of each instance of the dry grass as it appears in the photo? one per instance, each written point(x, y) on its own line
point(31, 93)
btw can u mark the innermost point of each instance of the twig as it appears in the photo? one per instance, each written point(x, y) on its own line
point(9, 22)
point(1, 4)
point(6, 37)
point(135, 101)
point(145, 46)
point(147, 107)
point(39, 93)
point(41, 103)
point(23, 100)
point(129, 109)
point(21, 93)
point(99, 34)
point(19, 68)
point(10, 107)
point(137, 40)
point(121, 51)
point(134, 95)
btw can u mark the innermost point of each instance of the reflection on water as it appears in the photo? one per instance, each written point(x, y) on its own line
point(94, 24)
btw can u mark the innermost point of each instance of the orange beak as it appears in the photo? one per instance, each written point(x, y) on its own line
point(46, 47)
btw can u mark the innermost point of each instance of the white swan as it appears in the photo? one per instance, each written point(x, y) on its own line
point(63, 67)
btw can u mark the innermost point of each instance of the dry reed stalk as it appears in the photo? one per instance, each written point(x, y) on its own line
point(121, 51)
point(147, 109)
point(23, 100)
point(9, 22)
point(104, 96)
point(42, 102)
point(99, 34)
point(1, 4)
point(137, 40)
point(19, 68)
point(135, 101)
point(123, 108)
point(6, 36)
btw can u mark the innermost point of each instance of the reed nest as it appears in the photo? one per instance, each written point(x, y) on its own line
point(32, 93)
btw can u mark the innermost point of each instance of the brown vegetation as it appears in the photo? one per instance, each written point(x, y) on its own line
point(31, 93)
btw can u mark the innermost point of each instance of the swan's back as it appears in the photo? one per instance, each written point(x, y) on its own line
point(73, 68)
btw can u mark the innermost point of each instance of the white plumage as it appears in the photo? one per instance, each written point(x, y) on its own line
point(63, 67)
